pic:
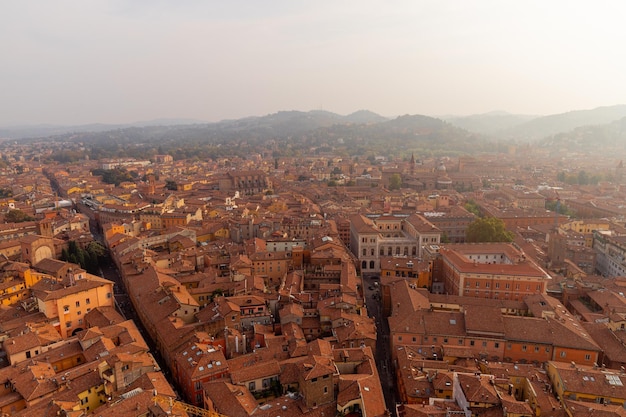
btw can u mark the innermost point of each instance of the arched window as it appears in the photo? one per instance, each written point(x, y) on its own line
point(364, 265)
point(372, 265)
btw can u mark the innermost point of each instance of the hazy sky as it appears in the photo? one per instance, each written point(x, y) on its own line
point(118, 61)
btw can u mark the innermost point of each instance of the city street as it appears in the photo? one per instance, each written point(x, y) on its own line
point(371, 292)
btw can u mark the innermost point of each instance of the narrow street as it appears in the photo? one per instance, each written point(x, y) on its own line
point(371, 292)
point(124, 306)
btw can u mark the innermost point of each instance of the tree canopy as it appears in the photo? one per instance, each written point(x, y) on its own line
point(171, 185)
point(395, 182)
point(488, 229)
point(113, 176)
point(472, 207)
point(17, 216)
point(88, 258)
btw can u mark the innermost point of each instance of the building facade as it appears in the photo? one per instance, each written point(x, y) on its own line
point(388, 235)
point(491, 270)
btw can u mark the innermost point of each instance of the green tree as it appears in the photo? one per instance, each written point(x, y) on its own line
point(171, 185)
point(96, 250)
point(17, 216)
point(113, 176)
point(488, 229)
point(472, 207)
point(395, 182)
point(563, 209)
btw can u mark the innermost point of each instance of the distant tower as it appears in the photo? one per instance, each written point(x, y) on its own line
point(151, 180)
point(45, 227)
point(412, 163)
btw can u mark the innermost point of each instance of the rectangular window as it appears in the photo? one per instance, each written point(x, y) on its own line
point(536, 349)
point(563, 354)
point(523, 348)
point(587, 357)
point(471, 343)
point(484, 344)
point(87, 301)
point(77, 303)
point(496, 345)
point(460, 341)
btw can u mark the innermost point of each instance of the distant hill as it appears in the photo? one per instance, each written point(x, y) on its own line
point(488, 123)
point(364, 117)
point(607, 139)
point(565, 122)
point(294, 122)
point(45, 130)
point(286, 133)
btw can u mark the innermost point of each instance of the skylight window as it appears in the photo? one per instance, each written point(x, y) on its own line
point(614, 380)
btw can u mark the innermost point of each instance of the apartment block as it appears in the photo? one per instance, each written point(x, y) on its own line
point(491, 270)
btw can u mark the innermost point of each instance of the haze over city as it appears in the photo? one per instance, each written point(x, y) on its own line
point(73, 62)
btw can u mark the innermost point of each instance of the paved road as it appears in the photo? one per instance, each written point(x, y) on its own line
point(383, 355)
point(124, 306)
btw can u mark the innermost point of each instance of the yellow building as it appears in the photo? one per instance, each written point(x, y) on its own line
point(587, 227)
point(581, 383)
point(111, 229)
point(66, 300)
point(272, 266)
point(18, 278)
point(416, 272)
